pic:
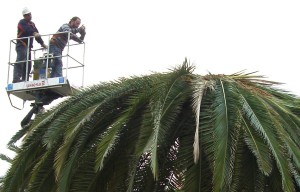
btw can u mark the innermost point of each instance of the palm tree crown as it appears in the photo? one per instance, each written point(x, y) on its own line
point(164, 132)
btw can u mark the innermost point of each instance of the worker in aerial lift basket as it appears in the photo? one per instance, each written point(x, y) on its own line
point(59, 41)
point(26, 28)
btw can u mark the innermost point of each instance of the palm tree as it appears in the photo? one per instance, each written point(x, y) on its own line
point(174, 131)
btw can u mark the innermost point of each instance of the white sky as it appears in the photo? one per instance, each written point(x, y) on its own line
point(136, 37)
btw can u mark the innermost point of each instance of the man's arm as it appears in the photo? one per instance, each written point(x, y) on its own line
point(67, 28)
point(39, 39)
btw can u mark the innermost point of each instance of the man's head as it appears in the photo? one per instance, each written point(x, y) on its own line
point(26, 14)
point(75, 22)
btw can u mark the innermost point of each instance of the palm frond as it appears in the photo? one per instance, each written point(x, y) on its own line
point(5, 158)
point(221, 145)
point(261, 123)
point(199, 87)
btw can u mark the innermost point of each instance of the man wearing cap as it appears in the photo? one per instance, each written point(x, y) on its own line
point(26, 28)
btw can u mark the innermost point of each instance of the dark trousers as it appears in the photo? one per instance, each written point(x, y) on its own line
point(21, 68)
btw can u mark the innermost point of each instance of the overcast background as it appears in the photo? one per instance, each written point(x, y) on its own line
point(136, 37)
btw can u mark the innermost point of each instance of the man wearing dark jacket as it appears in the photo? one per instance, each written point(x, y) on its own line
point(26, 28)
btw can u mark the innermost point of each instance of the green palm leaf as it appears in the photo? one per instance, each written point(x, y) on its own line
point(259, 121)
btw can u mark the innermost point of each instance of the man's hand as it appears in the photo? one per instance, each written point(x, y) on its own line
point(82, 29)
point(45, 46)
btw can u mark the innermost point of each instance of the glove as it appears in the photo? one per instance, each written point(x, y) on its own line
point(37, 35)
point(82, 29)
